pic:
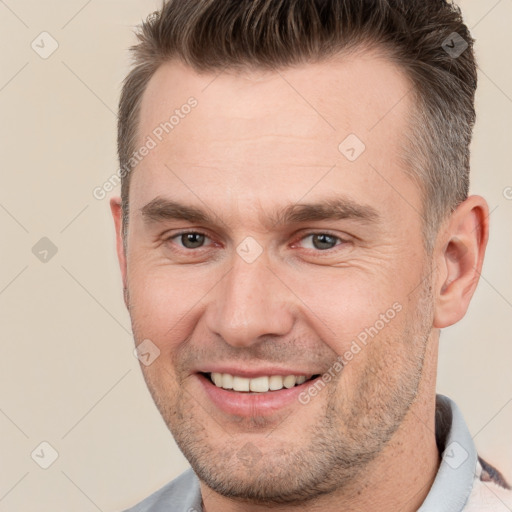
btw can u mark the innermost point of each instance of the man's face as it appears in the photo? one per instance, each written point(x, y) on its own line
point(300, 255)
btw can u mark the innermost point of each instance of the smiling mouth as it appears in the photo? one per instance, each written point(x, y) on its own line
point(261, 384)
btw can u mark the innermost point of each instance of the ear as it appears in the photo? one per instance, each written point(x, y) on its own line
point(117, 214)
point(459, 258)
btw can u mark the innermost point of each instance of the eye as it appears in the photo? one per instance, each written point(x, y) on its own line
point(320, 241)
point(190, 239)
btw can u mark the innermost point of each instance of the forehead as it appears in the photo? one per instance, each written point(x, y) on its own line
point(267, 136)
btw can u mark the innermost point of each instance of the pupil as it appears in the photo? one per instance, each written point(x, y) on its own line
point(324, 241)
point(192, 240)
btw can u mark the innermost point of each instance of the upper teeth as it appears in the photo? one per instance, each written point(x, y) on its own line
point(258, 384)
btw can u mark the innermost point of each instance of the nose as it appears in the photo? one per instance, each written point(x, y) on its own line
point(250, 303)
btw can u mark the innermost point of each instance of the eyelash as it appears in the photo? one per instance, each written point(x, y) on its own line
point(303, 237)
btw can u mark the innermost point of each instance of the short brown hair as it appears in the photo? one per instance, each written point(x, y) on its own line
point(212, 35)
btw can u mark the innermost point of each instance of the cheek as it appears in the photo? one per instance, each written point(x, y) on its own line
point(346, 304)
point(166, 301)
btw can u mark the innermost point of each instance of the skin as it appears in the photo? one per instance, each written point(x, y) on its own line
point(256, 143)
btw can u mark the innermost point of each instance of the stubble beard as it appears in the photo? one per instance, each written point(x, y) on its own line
point(334, 451)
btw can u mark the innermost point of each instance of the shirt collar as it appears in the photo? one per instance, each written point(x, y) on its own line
point(455, 477)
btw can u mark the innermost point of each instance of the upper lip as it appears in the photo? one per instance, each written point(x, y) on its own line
point(252, 373)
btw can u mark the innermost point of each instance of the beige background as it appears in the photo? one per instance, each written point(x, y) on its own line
point(68, 374)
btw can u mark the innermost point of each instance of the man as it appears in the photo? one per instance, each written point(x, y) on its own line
point(293, 233)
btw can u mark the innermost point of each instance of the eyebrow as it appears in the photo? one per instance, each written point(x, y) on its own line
point(334, 208)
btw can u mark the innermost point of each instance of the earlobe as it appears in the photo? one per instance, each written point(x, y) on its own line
point(459, 260)
point(117, 214)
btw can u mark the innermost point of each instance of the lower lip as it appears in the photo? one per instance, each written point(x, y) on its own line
point(252, 404)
